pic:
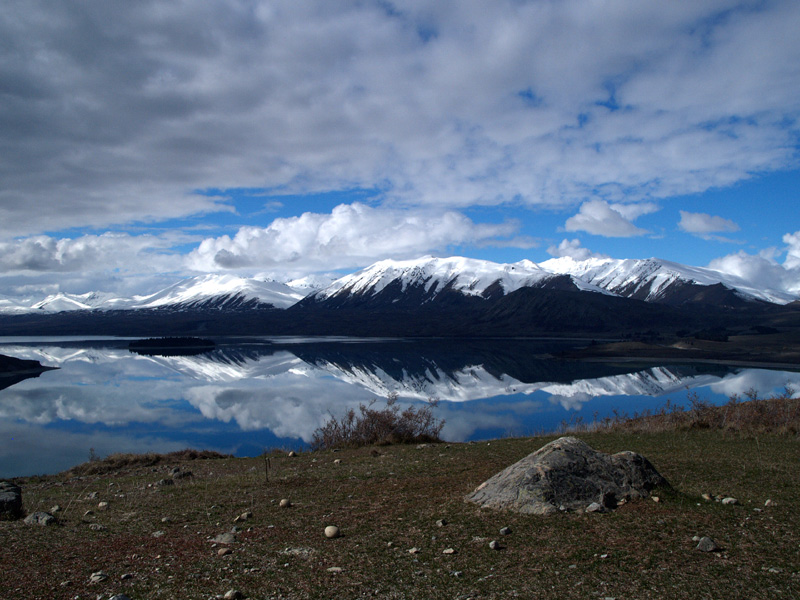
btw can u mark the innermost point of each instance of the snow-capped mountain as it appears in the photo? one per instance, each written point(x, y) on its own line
point(655, 280)
point(221, 292)
point(62, 302)
point(463, 281)
point(425, 279)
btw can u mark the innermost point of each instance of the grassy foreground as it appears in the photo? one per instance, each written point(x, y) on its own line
point(154, 541)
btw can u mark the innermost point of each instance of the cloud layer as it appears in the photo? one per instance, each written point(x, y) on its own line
point(351, 235)
point(115, 112)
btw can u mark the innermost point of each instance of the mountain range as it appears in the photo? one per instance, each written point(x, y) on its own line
point(431, 296)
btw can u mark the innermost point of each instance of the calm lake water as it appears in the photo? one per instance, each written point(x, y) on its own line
point(253, 394)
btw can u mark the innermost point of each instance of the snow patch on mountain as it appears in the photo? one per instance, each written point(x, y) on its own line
point(650, 279)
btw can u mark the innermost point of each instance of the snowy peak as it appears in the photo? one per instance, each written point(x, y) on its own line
point(655, 280)
point(429, 277)
point(61, 302)
point(222, 292)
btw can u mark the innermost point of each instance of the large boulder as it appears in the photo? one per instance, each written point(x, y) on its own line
point(567, 474)
point(10, 501)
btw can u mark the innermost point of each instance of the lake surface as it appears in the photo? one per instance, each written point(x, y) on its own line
point(249, 395)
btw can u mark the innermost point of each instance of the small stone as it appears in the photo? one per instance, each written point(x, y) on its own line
point(92, 495)
point(441, 522)
point(769, 503)
point(55, 509)
point(158, 534)
point(126, 576)
point(119, 597)
point(494, 545)
point(97, 577)
point(88, 513)
point(233, 595)
point(292, 454)
point(505, 531)
point(225, 538)
point(243, 517)
point(335, 569)
point(730, 500)
point(457, 573)
point(96, 527)
point(655, 499)
point(414, 550)
point(707, 497)
point(40, 518)
point(284, 503)
point(594, 507)
point(332, 531)
point(338, 461)
point(224, 552)
point(449, 551)
point(165, 482)
point(166, 520)
point(102, 505)
point(706, 544)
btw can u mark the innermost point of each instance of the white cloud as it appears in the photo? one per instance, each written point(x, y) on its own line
point(763, 270)
point(573, 249)
point(793, 251)
point(702, 224)
point(114, 112)
point(352, 235)
point(117, 251)
point(601, 218)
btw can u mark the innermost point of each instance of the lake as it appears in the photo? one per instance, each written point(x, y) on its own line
point(248, 395)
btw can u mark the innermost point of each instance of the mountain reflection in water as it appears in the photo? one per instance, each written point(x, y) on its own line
point(245, 396)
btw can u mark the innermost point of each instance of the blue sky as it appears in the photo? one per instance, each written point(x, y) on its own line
point(150, 141)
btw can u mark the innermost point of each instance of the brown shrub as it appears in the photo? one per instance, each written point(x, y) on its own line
point(379, 426)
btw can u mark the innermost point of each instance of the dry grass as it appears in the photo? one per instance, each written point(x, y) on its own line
point(396, 494)
point(120, 461)
point(779, 414)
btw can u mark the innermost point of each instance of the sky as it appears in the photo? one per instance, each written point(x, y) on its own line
point(145, 142)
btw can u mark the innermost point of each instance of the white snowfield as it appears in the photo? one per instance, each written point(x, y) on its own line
point(648, 279)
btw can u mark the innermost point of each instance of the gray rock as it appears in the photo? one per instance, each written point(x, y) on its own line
point(505, 531)
point(233, 595)
point(10, 500)
point(225, 538)
point(441, 522)
point(567, 474)
point(165, 482)
point(119, 597)
point(706, 544)
point(96, 527)
point(595, 507)
point(97, 577)
point(730, 500)
point(495, 545)
point(40, 518)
